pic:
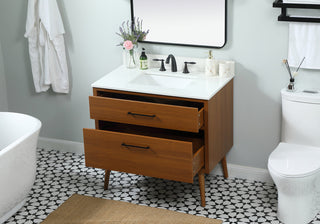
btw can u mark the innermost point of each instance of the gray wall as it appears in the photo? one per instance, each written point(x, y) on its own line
point(256, 41)
point(3, 89)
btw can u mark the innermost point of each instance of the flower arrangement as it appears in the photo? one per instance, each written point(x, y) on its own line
point(131, 32)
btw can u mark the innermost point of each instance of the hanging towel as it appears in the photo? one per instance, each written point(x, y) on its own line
point(304, 39)
point(44, 30)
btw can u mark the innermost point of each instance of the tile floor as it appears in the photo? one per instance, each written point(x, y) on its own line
point(59, 175)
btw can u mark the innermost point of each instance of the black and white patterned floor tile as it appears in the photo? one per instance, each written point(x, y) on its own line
point(59, 175)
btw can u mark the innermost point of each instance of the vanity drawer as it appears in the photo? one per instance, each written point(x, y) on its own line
point(171, 159)
point(183, 118)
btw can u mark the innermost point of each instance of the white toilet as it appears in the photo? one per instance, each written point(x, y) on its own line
point(295, 164)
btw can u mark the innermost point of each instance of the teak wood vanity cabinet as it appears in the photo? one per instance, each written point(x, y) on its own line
point(159, 136)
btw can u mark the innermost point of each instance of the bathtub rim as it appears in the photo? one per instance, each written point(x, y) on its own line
point(26, 135)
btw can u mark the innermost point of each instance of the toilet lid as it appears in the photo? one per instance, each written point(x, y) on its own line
point(293, 160)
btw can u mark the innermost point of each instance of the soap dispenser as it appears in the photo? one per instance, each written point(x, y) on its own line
point(143, 60)
point(208, 65)
point(211, 65)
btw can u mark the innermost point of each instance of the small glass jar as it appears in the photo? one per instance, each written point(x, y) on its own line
point(291, 85)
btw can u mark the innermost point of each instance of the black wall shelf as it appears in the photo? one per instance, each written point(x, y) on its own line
point(284, 17)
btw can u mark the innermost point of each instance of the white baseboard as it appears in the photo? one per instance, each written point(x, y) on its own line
point(60, 145)
point(244, 172)
point(235, 171)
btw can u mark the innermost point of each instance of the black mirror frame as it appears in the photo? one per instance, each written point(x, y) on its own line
point(186, 45)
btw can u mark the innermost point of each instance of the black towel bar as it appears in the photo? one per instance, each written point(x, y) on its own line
point(284, 17)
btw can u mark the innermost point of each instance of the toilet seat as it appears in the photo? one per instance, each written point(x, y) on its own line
point(292, 160)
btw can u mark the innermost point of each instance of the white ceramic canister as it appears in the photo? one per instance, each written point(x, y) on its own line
point(231, 67)
point(224, 69)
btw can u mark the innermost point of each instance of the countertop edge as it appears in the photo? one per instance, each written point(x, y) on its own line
point(161, 92)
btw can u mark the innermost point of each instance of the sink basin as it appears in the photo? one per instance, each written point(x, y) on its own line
point(170, 74)
point(167, 81)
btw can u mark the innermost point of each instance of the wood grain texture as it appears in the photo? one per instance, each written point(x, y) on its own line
point(201, 118)
point(164, 156)
point(224, 167)
point(145, 113)
point(198, 161)
point(202, 188)
point(156, 157)
point(218, 126)
point(106, 179)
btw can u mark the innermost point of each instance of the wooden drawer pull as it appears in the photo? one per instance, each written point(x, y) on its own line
point(141, 115)
point(135, 146)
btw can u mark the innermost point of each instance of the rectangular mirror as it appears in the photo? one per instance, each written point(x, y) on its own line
point(200, 23)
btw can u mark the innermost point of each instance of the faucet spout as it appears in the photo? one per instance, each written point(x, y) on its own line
point(173, 62)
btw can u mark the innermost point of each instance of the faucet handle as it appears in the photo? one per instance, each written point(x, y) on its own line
point(162, 68)
point(185, 70)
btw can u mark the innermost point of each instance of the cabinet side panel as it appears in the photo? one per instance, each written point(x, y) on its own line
point(219, 135)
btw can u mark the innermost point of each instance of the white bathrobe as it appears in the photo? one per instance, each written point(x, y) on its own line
point(44, 30)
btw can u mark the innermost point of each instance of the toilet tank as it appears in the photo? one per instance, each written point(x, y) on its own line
point(301, 117)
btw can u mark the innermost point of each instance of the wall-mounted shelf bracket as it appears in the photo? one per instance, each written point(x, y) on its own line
point(284, 17)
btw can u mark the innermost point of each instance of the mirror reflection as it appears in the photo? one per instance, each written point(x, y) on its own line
point(183, 22)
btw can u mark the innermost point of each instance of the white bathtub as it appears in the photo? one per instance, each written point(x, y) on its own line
point(18, 141)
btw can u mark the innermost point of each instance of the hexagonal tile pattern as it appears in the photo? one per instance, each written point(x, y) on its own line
point(59, 175)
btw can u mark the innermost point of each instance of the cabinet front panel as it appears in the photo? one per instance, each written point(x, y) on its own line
point(147, 114)
point(150, 156)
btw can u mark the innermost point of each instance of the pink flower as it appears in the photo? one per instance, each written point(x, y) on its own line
point(128, 45)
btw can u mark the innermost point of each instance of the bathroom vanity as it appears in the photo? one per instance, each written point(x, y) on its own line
point(171, 126)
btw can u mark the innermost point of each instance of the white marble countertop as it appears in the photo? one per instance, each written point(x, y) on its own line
point(152, 81)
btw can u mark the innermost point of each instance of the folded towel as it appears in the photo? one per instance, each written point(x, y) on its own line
point(304, 39)
point(302, 1)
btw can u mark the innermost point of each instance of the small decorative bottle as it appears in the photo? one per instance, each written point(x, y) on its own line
point(143, 60)
point(291, 85)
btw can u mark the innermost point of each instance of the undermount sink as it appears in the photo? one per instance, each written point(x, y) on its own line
point(163, 80)
point(155, 71)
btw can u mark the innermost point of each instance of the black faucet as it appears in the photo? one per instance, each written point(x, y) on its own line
point(173, 62)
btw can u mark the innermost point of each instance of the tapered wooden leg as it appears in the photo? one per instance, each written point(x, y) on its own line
point(224, 167)
point(106, 179)
point(202, 187)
